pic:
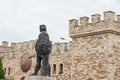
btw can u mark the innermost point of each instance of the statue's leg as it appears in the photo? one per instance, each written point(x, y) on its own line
point(49, 69)
point(38, 65)
point(45, 66)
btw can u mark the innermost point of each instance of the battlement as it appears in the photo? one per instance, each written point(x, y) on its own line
point(56, 47)
point(60, 47)
point(109, 24)
point(23, 45)
point(5, 44)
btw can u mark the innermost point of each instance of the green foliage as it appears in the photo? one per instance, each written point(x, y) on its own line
point(2, 73)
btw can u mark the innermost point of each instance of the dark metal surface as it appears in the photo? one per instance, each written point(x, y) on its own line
point(26, 62)
point(43, 48)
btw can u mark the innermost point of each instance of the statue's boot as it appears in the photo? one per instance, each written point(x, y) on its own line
point(35, 72)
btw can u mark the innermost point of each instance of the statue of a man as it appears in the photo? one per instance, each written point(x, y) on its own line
point(43, 48)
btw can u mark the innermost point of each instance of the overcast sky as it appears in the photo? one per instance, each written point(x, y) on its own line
point(20, 19)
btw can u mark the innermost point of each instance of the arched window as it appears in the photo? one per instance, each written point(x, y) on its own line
point(54, 69)
point(61, 68)
point(9, 71)
point(5, 70)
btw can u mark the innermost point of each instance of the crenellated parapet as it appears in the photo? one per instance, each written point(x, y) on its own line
point(60, 47)
point(9, 51)
point(56, 47)
point(5, 44)
point(109, 24)
point(21, 45)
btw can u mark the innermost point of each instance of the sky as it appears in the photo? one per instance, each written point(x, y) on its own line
point(20, 19)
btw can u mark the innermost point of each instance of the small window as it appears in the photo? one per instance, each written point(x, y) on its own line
point(5, 70)
point(54, 69)
point(9, 71)
point(61, 69)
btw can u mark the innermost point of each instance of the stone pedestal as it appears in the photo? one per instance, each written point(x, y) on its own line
point(39, 78)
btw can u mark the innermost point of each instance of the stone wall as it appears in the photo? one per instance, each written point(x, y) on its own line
point(12, 56)
point(90, 57)
point(95, 47)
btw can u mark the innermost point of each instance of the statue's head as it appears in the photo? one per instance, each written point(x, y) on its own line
point(42, 28)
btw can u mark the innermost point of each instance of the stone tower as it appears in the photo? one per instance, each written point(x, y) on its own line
point(95, 47)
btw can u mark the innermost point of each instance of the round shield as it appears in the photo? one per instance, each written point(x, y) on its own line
point(25, 62)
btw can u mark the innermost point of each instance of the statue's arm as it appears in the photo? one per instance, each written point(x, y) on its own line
point(50, 47)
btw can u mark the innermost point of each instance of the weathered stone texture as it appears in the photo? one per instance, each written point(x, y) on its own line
point(90, 57)
point(95, 48)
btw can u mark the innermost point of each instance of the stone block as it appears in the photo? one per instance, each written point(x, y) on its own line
point(39, 78)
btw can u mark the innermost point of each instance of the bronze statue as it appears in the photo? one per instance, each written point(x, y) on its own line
point(43, 48)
